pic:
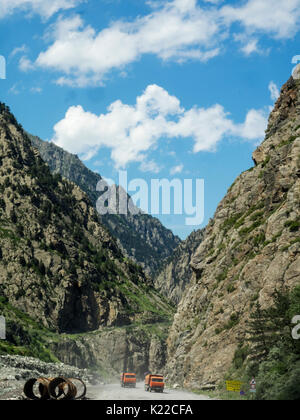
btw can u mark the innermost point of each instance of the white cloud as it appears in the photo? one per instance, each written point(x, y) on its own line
point(254, 126)
point(18, 50)
point(177, 30)
point(150, 166)
point(45, 8)
point(130, 131)
point(280, 19)
point(176, 170)
point(274, 91)
point(206, 126)
point(25, 64)
point(250, 47)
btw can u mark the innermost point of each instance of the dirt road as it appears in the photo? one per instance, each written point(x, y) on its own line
point(115, 392)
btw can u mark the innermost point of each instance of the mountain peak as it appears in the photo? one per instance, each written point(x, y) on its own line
point(286, 105)
point(283, 123)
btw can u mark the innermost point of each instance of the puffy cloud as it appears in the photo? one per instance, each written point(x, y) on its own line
point(130, 131)
point(45, 8)
point(280, 19)
point(177, 30)
point(254, 126)
point(206, 126)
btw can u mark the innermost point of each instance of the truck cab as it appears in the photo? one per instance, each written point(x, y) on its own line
point(154, 383)
point(128, 380)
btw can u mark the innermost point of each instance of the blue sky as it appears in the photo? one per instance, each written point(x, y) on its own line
point(163, 89)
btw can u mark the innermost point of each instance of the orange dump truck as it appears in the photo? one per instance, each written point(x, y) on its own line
point(128, 380)
point(154, 383)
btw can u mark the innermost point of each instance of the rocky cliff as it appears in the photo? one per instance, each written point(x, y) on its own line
point(250, 248)
point(138, 348)
point(176, 272)
point(60, 269)
point(106, 352)
point(141, 237)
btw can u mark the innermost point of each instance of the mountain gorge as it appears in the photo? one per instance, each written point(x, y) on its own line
point(60, 268)
point(68, 286)
point(250, 248)
point(141, 237)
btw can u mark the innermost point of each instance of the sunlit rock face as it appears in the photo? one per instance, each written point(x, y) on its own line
point(250, 248)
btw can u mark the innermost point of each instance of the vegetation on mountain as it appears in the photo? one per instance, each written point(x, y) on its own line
point(141, 237)
point(250, 249)
point(271, 355)
point(61, 271)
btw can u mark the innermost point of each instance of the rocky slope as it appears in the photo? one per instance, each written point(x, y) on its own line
point(141, 237)
point(60, 269)
point(250, 248)
point(176, 272)
point(138, 348)
point(107, 351)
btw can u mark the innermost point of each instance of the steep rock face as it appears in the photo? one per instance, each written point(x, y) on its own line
point(58, 264)
point(176, 273)
point(250, 248)
point(116, 350)
point(138, 347)
point(141, 237)
point(68, 166)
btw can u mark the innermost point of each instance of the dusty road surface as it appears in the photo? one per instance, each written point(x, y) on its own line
point(115, 392)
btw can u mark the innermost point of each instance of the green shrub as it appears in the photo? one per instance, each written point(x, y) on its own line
point(229, 223)
point(234, 320)
point(293, 225)
point(259, 239)
point(222, 276)
point(240, 356)
point(230, 288)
